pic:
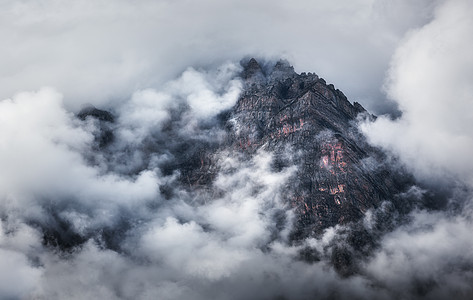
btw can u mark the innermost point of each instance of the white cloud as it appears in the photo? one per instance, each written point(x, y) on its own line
point(20, 279)
point(222, 245)
point(18, 276)
point(42, 163)
point(103, 52)
point(433, 251)
point(431, 78)
point(204, 93)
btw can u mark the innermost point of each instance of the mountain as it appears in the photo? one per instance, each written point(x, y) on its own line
point(305, 124)
point(308, 123)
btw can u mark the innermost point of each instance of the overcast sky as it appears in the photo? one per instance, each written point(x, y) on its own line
point(103, 51)
point(145, 60)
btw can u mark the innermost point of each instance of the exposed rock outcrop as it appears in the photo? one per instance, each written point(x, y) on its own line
point(311, 124)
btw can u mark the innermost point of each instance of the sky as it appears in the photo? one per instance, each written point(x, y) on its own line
point(146, 60)
point(104, 51)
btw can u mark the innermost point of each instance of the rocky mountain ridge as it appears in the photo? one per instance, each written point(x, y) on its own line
point(339, 175)
point(304, 122)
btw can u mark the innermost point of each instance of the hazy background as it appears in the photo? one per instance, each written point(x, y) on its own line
point(102, 51)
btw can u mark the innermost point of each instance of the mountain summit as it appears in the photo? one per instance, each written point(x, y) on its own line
point(339, 175)
point(304, 122)
point(308, 126)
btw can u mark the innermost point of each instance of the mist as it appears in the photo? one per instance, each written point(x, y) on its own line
point(430, 78)
point(96, 209)
point(101, 53)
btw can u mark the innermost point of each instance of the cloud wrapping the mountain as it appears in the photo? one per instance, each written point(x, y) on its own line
point(192, 246)
point(431, 80)
point(17, 276)
point(143, 234)
point(226, 243)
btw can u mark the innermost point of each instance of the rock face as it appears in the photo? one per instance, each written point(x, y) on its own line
point(92, 111)
point(310, 124)
point(104, 135)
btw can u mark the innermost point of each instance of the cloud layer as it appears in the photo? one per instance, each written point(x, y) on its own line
point(129, 229)
point(430, 78)
point(101, 52)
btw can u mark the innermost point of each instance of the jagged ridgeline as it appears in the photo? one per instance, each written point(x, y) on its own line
point(304, 122)
point(339, 175)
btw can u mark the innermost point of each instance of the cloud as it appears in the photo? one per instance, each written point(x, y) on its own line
point(429, 258)
point(18, 276)
point(430, 78)
point(103, 52)
point(130, 228)
point(43, 165)
point(121, 239)
point(202, 94)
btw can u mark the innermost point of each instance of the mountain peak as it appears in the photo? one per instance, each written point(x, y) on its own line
point(266, 70)
point(283, 68)
point(280, 109)
point(251, 69)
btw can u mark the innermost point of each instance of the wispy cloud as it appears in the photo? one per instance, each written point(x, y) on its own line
point(131, 229)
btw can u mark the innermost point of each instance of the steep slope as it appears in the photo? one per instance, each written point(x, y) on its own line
point(312, 125)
